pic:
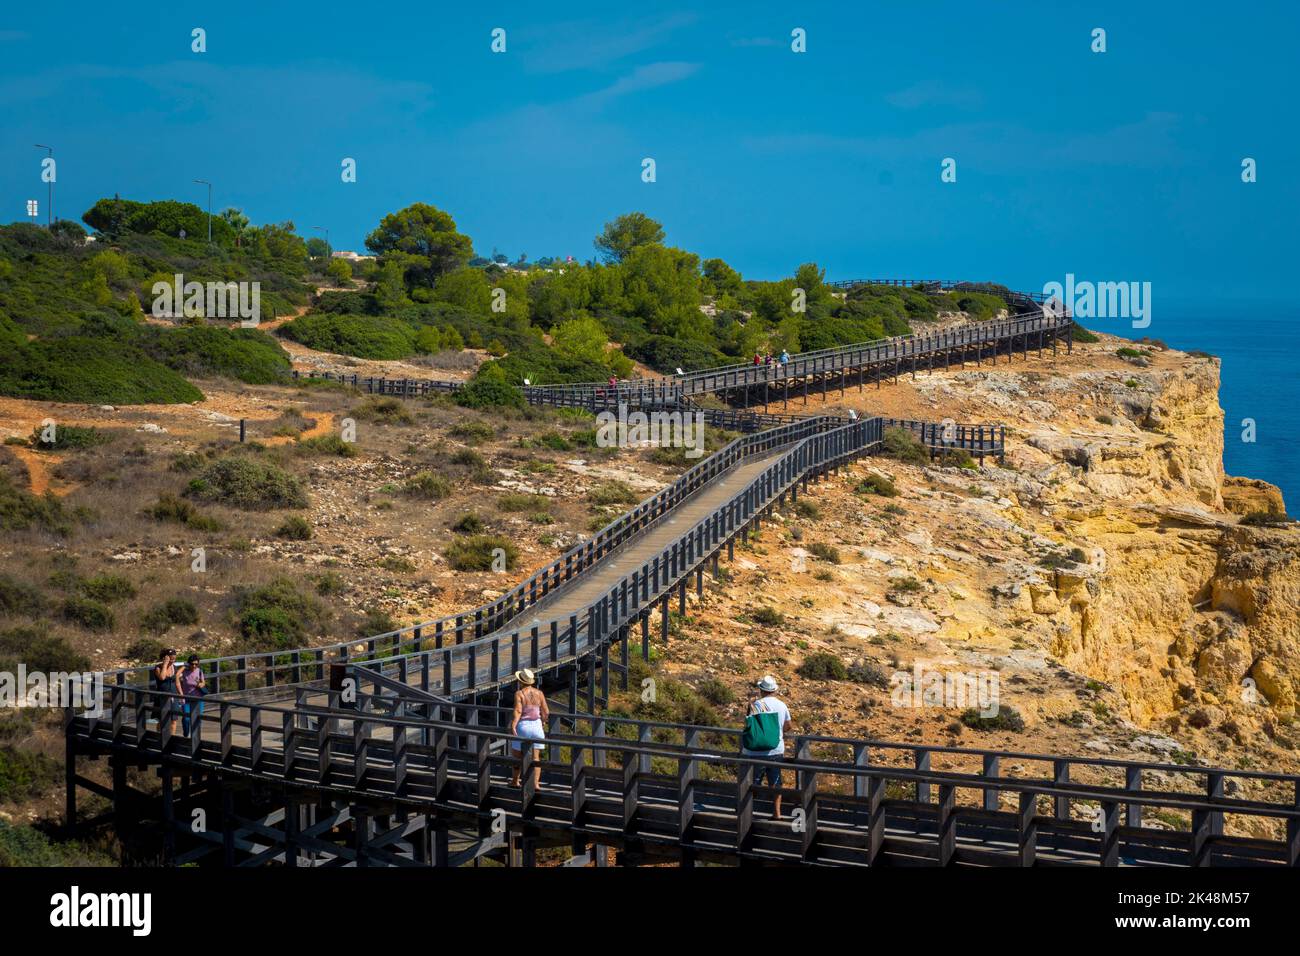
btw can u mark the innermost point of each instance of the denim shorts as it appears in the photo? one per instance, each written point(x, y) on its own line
point(771, 774)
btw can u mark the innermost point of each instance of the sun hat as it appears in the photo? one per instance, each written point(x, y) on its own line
point(525, 676)
point(767, 683)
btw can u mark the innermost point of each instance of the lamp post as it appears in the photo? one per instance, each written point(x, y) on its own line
point(327, 241)
point(204, 182)
point(50, 210)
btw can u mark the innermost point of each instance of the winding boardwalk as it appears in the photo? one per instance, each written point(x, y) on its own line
point(393, 750)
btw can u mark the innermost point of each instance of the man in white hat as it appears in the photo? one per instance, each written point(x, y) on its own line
point(769, 703)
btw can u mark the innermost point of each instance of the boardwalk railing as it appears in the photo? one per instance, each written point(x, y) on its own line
point(686, 789)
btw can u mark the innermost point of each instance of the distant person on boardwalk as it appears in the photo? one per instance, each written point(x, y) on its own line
point(758, 359)
point(194, 686)
point(164, 681)
point(785, 357)
point(766, 725)
point(531, 714)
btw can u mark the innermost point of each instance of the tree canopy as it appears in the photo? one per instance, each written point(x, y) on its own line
point(427, 237)
point(626, 233)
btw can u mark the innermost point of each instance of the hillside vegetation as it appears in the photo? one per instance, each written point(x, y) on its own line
point(75, 308)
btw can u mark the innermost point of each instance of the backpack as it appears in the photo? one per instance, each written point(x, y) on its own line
point(762, 730)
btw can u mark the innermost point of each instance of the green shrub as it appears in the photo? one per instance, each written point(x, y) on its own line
point(489, 389)
point(25, 774)
point(248, 355)
point(20, 510)
point(807, 509)
point(426, 484)
point(824, 552)
point(877, 485)
point(715, 692)
point(40, 651)
point(522, 502)
point(19, 599)
point(246, 483)
point(868, 672)
point(91, 371)
point(612, 493)
point(171, 508)
point(903, 445)
point(278, 616)
point(26, 846)
point(468, 523)
point(108, 588)
point(477, 552)
point(68, 436)
point(88, 613)
point(767, 616)
point(822, 666)
point(170, 613)
point(376, 622)
point(372, 337)
point(1006, 718)
point(386, 410)
point(294, 528)
point(328, 445)
point(1080, 334)
point(472, 432)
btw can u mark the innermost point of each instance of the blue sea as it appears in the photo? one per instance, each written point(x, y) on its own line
point(1257, 343)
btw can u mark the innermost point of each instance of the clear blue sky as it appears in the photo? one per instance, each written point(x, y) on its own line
point(1116, 166)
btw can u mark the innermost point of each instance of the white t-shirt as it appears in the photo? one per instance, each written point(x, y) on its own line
point(771, 705)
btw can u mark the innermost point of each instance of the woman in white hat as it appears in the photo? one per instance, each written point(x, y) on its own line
point(530, 716)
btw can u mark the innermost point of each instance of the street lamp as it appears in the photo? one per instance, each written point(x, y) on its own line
point(204, 182)
point(327, 241)
point(50, 211)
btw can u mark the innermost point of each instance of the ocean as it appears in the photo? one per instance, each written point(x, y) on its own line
point(1258, 343)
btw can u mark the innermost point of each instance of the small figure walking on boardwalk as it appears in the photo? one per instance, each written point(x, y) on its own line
point(531, 714)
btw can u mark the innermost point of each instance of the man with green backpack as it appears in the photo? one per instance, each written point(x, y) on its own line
point(764, 735)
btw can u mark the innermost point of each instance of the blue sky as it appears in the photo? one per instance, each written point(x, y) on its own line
point(1116, 166)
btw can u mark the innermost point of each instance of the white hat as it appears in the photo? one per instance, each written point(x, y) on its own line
point(525, 676)
point(768, 684)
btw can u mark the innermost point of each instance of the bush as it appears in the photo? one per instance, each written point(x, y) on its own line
point(612, 493)
point(68, 436)
point(108, 588)
point(426, 484)
point(472, 432)
point(877, 485)
point(247, 355)
point(386, 411)
point(804, 508)
point(20, 510)
point(328, 445)
point(477, 552)
point(40, 651)
point(468, 523)
point(91, 371)
point(490, 389)
point(868, 672)
point(1007, 718)
point(822, 666)
point(1080, 334)
point(171, 508)
point(278, 616)
point(824, 552)
point(767, 616)
point(172, 612)
point(25, 774)
point(27, 846)
point(522, 502)
point(295, 528)
point(19, 599)
point(249, 484)
point(372, 337)
point(903, 445)
point(715, 692)
point(88, 613)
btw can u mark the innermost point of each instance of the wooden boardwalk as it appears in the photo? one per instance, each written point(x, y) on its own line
point(392, 750)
